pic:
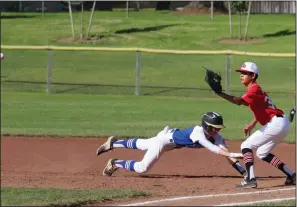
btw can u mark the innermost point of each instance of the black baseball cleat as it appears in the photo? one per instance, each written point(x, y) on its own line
point(291, 180)
point(246, 184)
point(106, 146)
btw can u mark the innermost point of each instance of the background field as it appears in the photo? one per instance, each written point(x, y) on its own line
point(172, 86)
point(92, 92)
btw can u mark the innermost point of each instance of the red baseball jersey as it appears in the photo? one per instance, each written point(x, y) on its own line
point(260, 104)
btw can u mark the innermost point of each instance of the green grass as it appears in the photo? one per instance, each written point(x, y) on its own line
point(121, 115)
point(161, 74)
point(60, 197)
point(92, 92)
point(152, 29)
point(281, 203)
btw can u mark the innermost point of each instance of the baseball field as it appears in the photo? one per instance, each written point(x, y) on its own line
point(49, 141)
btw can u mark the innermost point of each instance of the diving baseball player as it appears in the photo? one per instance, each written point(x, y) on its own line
point(207, 136)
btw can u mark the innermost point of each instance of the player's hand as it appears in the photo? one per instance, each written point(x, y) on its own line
point(236, 155)
point(247, 130)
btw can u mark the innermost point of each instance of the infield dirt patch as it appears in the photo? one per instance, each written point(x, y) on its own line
point(72, 163)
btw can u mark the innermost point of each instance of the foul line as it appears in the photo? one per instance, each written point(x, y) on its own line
point(205, 196)
point(262, 201)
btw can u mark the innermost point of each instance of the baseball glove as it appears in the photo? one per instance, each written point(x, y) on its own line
point(214, 80)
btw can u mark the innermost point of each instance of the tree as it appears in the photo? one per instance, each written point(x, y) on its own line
point(239, 7)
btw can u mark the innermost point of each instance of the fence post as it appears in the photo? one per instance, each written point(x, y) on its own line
point(228, 68)
point(42, 7)
point(20, 6)
point(211, 10)
point(138, 67)
point(49, 71)
point(127, 9)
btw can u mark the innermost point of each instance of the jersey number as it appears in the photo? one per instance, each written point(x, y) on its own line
point(270, 104)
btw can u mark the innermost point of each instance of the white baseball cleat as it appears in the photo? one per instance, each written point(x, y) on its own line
point(110, 167)
point(107, 146)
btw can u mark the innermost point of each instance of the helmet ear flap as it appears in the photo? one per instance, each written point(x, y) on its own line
point(208, 128)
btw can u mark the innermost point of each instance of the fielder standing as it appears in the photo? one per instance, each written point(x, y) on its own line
point(275, 126)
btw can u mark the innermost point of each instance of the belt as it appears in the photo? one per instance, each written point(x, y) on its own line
point(279, 115)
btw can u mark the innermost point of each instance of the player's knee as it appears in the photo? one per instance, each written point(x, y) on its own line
point(245, 145)
point(142, 167)
point(260, 154)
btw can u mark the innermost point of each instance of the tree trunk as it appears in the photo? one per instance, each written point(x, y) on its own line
point(71, 18)
point(82, 22)
point(240, 26)
point(91, 19)
point(247, 21)
point(230, 19)
point(163, 5)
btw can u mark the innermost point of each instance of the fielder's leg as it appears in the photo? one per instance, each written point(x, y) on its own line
point(263, 153)
point(276, 162)
point(279, 129)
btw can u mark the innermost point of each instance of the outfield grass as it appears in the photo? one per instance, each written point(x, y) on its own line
point(60, 197)
point(161, 74)
point(120, 115)
point(152, 29)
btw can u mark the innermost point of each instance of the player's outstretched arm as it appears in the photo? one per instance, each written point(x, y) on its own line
point(232, 99)
point(218, 150)
point(230, 154)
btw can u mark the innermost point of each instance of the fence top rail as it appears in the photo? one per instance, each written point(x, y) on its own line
point(148, 50)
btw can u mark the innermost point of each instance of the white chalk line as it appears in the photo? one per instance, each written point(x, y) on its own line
point(261, 201)
point(206, 196)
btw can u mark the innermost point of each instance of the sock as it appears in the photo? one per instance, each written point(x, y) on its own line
point(237, 166)
point(276, 162)
point(248, 159)
point(129, 143)
point(127, 164)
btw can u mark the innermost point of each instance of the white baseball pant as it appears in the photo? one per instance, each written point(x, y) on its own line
point(154, 147)
point(268, 136)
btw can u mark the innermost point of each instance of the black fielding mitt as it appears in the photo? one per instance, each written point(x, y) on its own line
point(214, 80)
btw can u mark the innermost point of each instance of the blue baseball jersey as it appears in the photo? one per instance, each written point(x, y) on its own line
point(195, 137)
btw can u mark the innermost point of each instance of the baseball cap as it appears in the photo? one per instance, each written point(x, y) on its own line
point(249, 67)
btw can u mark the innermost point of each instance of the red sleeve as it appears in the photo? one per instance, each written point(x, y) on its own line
point(249, 96)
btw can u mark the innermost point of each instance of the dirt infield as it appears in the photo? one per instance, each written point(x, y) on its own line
point(72, 163)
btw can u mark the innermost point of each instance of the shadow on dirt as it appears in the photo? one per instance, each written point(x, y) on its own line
point(203, 176)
